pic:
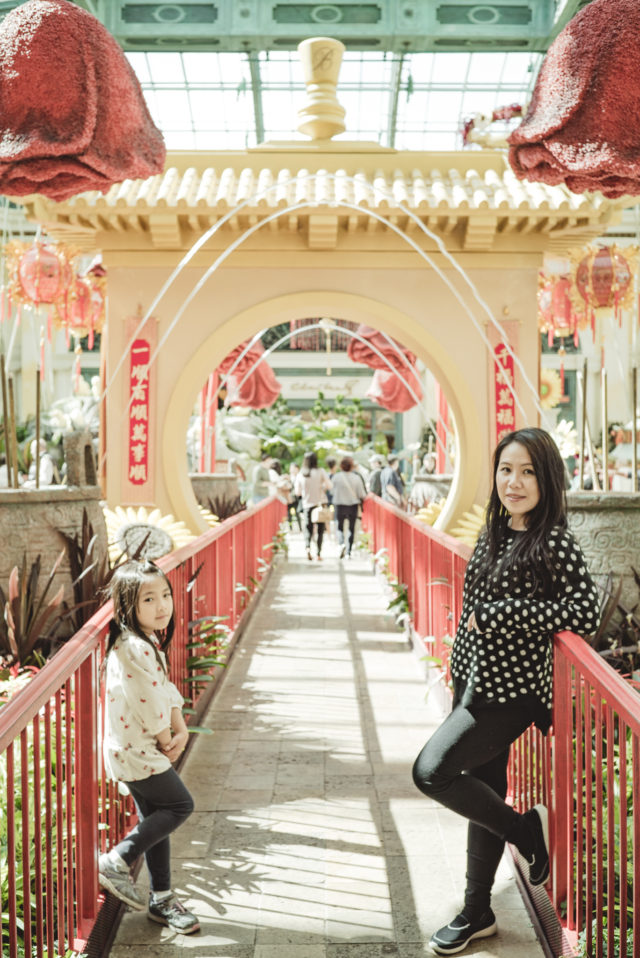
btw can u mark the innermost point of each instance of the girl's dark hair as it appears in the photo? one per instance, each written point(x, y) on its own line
point(530, 561)
point(309, 462)
point(277, 468)
point(124, 589)
point(346, 464)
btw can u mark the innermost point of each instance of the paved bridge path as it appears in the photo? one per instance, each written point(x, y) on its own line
point(309, 839)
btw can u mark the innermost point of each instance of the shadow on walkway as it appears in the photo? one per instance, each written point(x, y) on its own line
point(309, 839)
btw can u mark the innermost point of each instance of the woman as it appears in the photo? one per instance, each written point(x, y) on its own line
point(526, 580)
point(348, 491)
point(312, 485)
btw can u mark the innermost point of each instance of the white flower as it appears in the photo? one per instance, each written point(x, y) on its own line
point(565, 437)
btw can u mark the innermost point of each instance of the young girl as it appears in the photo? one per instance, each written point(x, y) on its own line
point(526, 580)
point(144, 733)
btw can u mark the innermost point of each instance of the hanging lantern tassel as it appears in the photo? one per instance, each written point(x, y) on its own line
point(41, 354)
point(49, 326)
point(77, 368)
point(562, 353)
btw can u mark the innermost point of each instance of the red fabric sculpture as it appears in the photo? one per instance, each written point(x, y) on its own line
point(583, 125)
point(387, 389)
point(72, 114)
point(391, 393)
point(261, 388)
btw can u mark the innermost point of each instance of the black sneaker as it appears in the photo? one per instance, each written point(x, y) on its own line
point(455, 936)
point(538, 821)
point(172, 912)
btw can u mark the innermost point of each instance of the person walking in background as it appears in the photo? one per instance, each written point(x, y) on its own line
point(312, 485)
point(260, 480)
point(391, 484)
point(331, 467)
point(348, 491)
point(295, 504)
point(145, 733)
point(377, 464)
point(279, 482)
point(525, 580)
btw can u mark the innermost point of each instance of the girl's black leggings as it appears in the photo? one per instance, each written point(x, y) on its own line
point(163, 802)
point(463, 766)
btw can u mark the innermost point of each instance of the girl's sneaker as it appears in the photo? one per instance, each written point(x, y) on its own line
point(118, 881)
point(172, 912)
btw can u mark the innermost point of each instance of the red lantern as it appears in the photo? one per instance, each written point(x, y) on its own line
point(83, 312)
point(38, 273)
point(556, 314)
point(603, 280)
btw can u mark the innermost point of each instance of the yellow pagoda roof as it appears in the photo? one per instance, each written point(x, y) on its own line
point(471, 200)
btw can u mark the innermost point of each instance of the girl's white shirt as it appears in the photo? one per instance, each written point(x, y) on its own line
point(138, 702)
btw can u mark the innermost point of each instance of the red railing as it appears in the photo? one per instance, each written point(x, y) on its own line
point(587, 770)
point(430, 563)
point(61, 811)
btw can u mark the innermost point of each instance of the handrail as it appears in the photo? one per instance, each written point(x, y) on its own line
point(587, 770)
point(595, 670)
point(25, 704)
point(49, 750)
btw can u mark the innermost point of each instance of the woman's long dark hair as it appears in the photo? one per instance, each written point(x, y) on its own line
point(309, 462)
point(530, 561)
point(124, 589)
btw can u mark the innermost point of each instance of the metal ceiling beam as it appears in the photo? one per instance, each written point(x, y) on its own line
point(410, 26)
point(256, 91)
point(569, 11)
point(394, 95)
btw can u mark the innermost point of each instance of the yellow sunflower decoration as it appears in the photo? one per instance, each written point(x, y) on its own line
point(470, 525)
point(128, 528)
point(209, 517)
point(429, 513)
point(550, 388)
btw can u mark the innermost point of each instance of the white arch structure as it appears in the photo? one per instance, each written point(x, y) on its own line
point(187, 501)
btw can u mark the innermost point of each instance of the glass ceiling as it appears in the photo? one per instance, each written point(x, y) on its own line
point(419, 101)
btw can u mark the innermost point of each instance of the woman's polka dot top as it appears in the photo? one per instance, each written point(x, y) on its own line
point(509, 655)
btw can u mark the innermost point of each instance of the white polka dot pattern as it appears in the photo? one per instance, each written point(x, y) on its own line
point(510, 653)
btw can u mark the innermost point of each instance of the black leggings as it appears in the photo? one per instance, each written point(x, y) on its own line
point(463, 766)
point(163, 802)
point(307, 528)
point(350, 515)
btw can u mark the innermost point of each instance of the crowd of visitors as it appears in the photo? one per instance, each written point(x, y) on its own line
point(331, 496)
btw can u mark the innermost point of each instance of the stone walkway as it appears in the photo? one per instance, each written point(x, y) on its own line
point(309, 839)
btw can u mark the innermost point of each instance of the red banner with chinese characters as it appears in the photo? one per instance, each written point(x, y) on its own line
point(505, 404)
point(139, 411)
